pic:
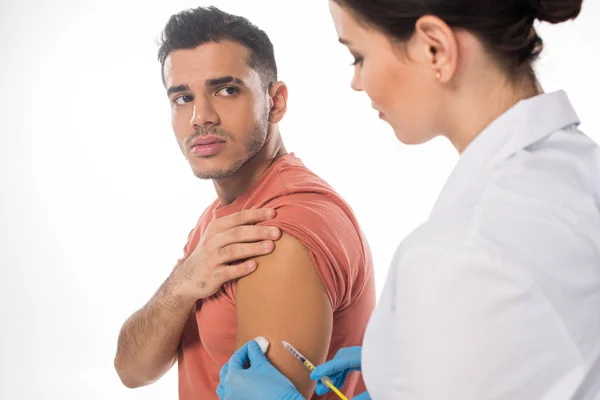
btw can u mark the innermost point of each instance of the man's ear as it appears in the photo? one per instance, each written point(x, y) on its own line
point(278, 94)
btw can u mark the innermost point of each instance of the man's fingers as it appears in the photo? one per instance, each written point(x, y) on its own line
point(244, 234)
point(244, 217)
point(229, 272)
point(242, 251)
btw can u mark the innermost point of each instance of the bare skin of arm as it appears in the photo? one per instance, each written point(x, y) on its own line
point(147, 346)
point(284, 299)
point(148, 341)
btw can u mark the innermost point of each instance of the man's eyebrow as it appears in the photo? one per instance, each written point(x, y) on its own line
point(223, 80)
point(344, 41)
point(177, 89)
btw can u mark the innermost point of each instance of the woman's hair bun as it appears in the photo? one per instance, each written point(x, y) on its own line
point(555, 11)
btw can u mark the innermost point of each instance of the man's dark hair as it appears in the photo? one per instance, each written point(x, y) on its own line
point(192, 28)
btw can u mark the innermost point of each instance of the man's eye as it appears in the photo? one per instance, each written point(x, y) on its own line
point(228, 91)
point(182, 99)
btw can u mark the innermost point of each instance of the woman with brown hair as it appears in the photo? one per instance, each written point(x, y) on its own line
point(497, 294)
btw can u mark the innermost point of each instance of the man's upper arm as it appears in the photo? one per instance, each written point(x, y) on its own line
point(284, 299)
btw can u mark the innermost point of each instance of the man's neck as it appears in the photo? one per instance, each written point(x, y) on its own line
point(229, 189)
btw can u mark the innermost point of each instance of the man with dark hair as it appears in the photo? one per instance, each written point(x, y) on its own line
point(192, 28)
point(310, 284)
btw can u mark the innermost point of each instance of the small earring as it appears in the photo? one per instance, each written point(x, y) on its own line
point(438, 75)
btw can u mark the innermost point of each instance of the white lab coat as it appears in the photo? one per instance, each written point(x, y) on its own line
point(497, 295)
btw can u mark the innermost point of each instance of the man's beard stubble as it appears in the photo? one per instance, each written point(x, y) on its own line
point(254, 141)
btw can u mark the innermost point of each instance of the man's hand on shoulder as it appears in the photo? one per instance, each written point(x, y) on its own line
point(148, 341)
point(225, 252)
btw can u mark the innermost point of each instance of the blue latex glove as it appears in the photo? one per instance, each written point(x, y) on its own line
point(260, 381)
point(363, 396)
point(337, 369)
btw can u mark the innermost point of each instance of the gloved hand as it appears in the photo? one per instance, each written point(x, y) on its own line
point(259, 381)
point(362, 396)
point(337, 369)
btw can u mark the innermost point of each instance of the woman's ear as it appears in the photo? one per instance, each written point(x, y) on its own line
point(438, 46)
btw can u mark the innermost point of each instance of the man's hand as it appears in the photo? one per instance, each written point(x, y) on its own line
point(149, 339)
point(223, 252)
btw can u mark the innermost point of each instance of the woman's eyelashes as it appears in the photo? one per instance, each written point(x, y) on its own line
point(358, 60)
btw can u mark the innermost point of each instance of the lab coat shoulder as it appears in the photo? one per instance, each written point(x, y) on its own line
point(534, 202)
point(468, 324)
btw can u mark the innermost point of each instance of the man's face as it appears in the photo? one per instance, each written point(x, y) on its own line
point(219, 110)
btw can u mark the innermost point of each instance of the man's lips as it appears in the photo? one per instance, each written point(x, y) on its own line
point(206, 140)
point(207, 146)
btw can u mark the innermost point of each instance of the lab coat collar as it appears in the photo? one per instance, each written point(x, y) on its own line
point(527, 122)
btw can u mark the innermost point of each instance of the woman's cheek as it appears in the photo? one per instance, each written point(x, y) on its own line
point(375, 84)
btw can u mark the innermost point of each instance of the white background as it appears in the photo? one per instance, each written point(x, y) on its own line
point(97, 201)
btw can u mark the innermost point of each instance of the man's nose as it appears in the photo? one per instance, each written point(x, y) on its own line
point(204, 114)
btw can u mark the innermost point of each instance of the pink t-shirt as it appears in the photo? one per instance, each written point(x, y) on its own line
point(308, 209)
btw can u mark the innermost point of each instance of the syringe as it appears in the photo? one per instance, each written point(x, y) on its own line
point(325, 380)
